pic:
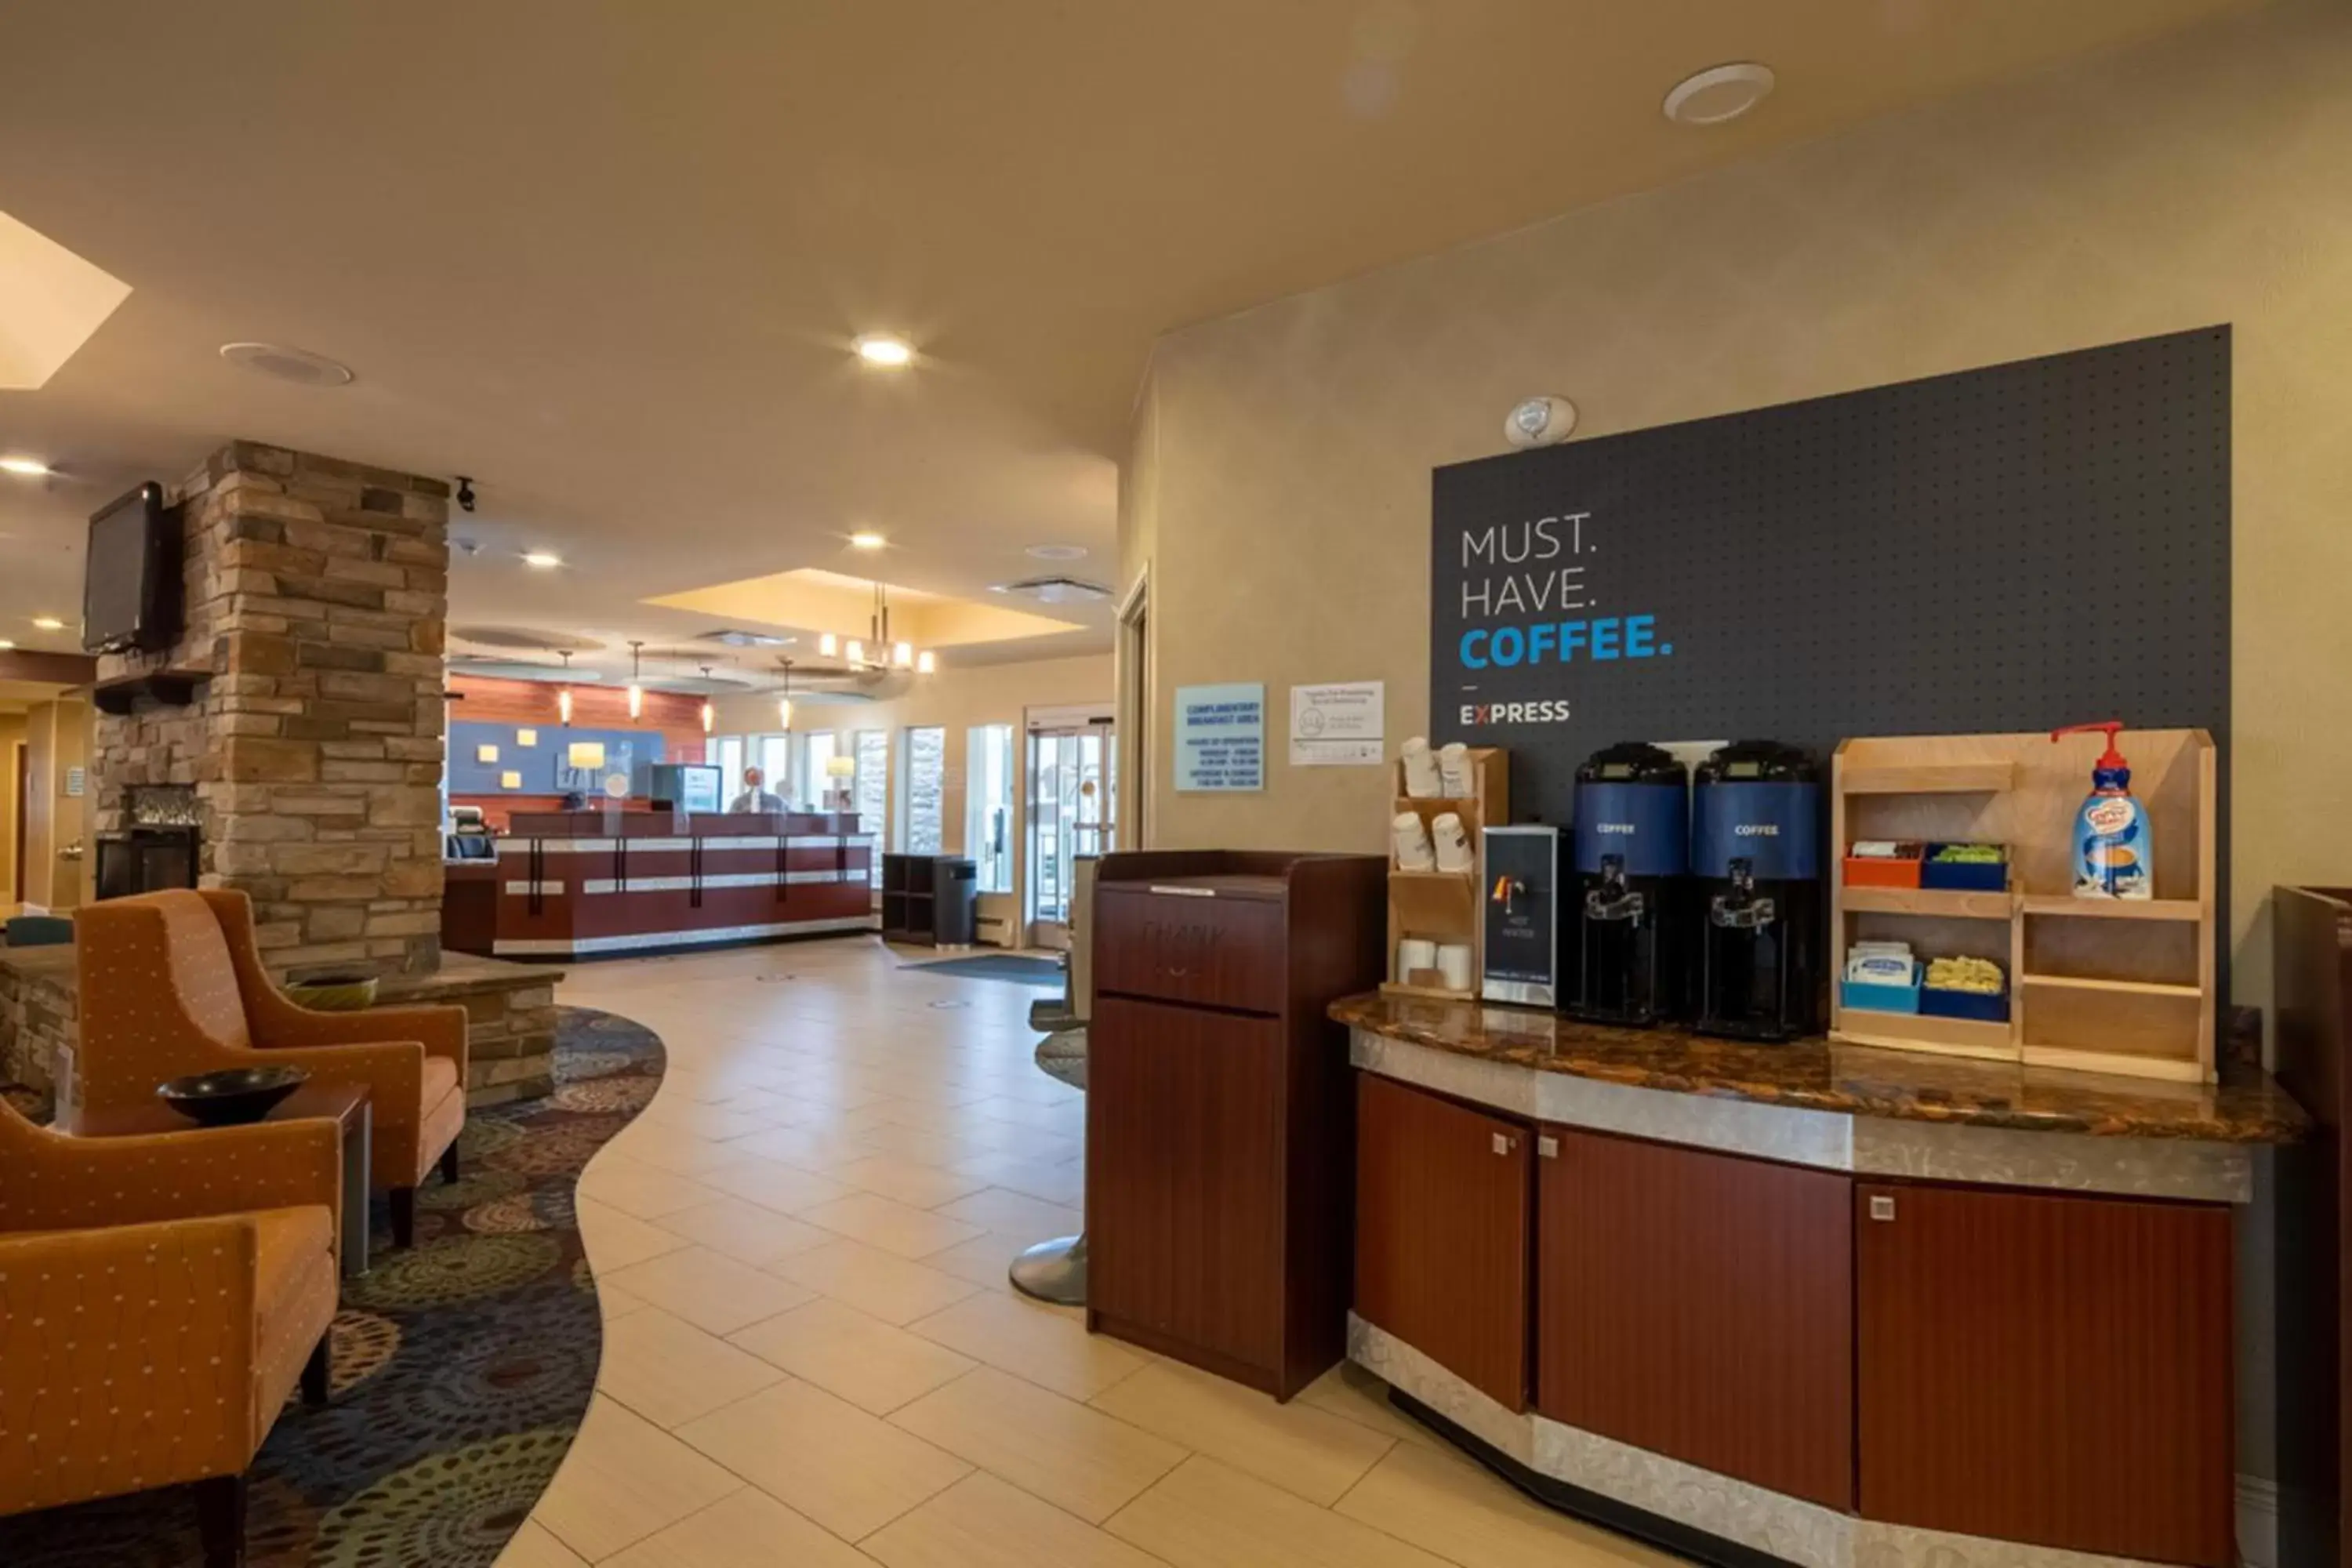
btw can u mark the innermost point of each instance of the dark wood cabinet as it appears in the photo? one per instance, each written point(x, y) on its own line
point(1185, 1150)
point(2045, 1368)
point(1220, 1126)
point(1699, 1305)
point(1442, 1208)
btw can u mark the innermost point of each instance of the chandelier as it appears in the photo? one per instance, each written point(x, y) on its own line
point(876, 649)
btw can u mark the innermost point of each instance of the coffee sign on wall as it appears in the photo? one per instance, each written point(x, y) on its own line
point(1993, 551)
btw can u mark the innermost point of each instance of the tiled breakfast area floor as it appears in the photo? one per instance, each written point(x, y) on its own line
point(812, 1356)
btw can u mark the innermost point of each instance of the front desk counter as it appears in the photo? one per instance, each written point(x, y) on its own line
point(587, 884)
point(1811, 1303)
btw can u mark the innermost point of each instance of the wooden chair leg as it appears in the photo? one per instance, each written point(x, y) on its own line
point(318, 1370)
point(449, 1164)
point(403, 1217)
point(220, 1521)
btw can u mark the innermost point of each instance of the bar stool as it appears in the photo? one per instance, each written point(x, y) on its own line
point(1056, 1271)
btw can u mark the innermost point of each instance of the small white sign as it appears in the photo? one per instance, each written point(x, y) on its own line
point(1339, 725)
point(77, 781)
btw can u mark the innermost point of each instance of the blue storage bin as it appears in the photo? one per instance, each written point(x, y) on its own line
point(1944, 1004)
point(1877, 999)
point(1963, 875)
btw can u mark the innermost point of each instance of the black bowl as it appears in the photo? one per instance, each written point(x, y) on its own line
point(232, 1097)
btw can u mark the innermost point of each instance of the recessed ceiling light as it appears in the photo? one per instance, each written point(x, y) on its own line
point(30, 467)
point(881, 348)
point(1058, 551)
point(867, 541)
point(48, 623)
point(1718, 93)
point(300, 366)
point(542, 558)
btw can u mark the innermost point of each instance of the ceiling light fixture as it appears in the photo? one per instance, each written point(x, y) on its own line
point(882, 349)
point(1718, 93)
point(563, 692)
point(1057, 551)
point(542, 558)
point(710, 711)
point(26, 468)
point(637, 678)
point(300, 366)
point(784, 702)
point(925, 662)
point(48, 623)
point(827, 644)
point(867, 541)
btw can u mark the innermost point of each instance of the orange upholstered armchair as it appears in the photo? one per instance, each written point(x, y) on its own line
point(171, 983)
point(159, 1298)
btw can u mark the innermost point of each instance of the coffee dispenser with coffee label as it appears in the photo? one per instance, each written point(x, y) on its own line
point(1756, 853)
point(1632, 885)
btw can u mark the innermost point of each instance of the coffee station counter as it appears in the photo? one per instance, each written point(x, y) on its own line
point(570, 885)
point(1808, 1302)
point(2247, 1106)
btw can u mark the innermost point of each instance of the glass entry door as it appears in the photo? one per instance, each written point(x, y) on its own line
point(1073, 791)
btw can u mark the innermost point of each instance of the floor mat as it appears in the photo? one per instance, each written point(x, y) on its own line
point(462, 1367)
point(1015, 967)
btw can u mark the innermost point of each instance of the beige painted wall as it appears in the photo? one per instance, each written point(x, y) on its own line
point(57, 740)
point(12, 735)
point(1279, 488)
point(957, 699)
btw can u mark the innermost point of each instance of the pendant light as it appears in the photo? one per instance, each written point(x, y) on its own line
point(784, 702)
point(710, 711)
point(563, 692)
point(828, 645)
point(925, 662)
point(637, 680)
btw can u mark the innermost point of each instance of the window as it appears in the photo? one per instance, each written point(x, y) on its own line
point(923, 803)
point(775, 758)
point(871, 789)
point(815, 783)
point(988, 805)
point(726, 750)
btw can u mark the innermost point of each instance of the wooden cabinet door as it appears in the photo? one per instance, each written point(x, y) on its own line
point(1699, 1305)
point(1184, 1177)
point(1442, 1233)
point(2047, 1369)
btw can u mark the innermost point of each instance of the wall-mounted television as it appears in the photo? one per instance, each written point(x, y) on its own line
point(131, 594)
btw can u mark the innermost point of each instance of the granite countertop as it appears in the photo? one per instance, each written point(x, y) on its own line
point(2246, 1106)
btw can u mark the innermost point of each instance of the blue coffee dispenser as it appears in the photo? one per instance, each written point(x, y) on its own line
point(1756, 853)
point(1632, 865)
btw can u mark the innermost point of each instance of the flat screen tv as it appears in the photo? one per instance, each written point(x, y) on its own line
point(131, 592)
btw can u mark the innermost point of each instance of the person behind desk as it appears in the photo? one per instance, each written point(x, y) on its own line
point(754, 799)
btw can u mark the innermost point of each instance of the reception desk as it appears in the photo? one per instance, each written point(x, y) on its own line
point(1809, 1303)
point(573, 885)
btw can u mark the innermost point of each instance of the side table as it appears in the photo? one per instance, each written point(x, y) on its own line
point(345, 1104)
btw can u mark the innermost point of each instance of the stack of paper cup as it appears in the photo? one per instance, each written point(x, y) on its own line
point(1414, 956)
point(1453, 851)
point(1413, 848)
point(1421, 779)
point(1454, 772)
point(1453, 965)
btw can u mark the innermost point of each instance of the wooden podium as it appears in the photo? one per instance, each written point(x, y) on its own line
point(1220, 1117)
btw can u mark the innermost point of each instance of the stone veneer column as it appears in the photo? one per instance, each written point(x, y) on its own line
point(318, 600)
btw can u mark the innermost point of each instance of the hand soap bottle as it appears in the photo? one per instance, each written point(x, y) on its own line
point(2112, 852)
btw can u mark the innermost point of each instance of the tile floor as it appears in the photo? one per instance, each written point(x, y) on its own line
point(812, 1356)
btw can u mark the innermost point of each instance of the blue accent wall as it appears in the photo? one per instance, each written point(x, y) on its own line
point(540, 764)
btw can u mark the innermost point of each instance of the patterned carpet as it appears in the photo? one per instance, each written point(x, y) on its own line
point(462, 1367)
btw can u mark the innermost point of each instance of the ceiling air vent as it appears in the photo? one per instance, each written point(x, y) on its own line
point(732, 637)
point(1057, 590)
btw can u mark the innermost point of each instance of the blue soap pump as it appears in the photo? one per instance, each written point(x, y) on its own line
point(2112, 852)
